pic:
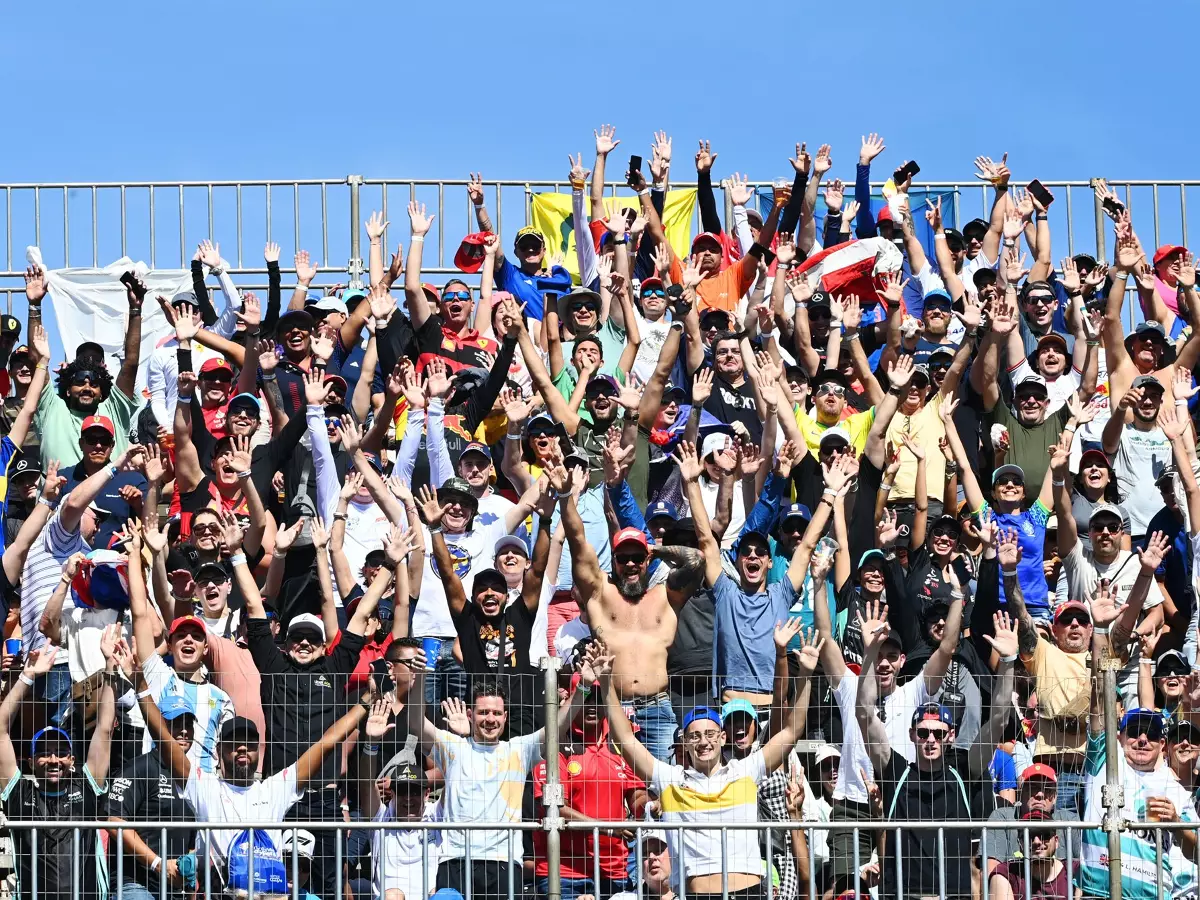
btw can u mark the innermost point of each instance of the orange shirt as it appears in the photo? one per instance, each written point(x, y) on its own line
point(725, 289)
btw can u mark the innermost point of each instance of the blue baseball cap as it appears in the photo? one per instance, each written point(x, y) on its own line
point(939, 297)
point(52, 735)
point(661, 508)
point(477, 447)
point(797, 511)
point(1142, 712)
point(673, 390)
point(874, 555)
point(173, 706)
point(933, 712)
point(738, 706)
point(701, 712)
point(245, 399)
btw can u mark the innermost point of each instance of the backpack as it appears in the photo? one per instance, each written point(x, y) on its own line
point(270, 874)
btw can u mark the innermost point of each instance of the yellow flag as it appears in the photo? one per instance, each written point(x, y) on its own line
point(551, 215)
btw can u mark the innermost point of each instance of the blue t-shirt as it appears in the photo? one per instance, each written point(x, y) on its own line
point(1175, 572)
point(744, 633)
point(109, 500)
point(1030, 526)
point(1003, 769)
point(524, 287)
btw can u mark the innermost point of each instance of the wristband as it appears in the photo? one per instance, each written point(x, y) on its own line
point(1012, 658)
point(154, 866)
point(885, 488)
point(1146, 662)
point(241, 475)
point(112, 471)
point(1093, 343)
point(513, 437)
point(1100, 630)
point(956, 595)
point(41, 365)
point(46, 503)
point(371, 749)
point(270, 377)
point(1054, 483)
point(643, 192)
point(1008, 571)
point(25, 680)
point(416, 239)
point(437, 529)
point(830, 491)
point(940, 236)
point(624, 240)
point(237, 559)
point(852, 336)
point(277, 554)
point(343, 517)
point(1074, 293)
point(142, 695)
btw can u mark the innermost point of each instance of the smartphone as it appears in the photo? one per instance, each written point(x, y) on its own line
point(635, 164)
point(1113, 207)
point(905, 172)
point(1040, 193)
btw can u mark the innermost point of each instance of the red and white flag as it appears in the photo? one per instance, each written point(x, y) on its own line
point(854, 267)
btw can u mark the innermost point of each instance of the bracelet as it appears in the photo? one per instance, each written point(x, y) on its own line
point(142, 695)
point(940, 236)
point(829, 491)
point(624, 240)
point(852, 336)
point(343, 517)
point(885, 489)
point(826, 500)
point(241, 475)
point(1146, 662)
point(371, 749)
point(1103, 630)
point(437, 529)
point(952, 467)
point(416, 239)
point(237, 559)
point(1012, 658)
point(1074, 293)
point(25, 680)
point(276, 554)
point(643, 192)
point(134, 312)
point(1093, 343)
point(513, 437)
point(270, 377)
point(1054, 483)
point(956, 595)
point(46, 503)
point(154, 865)
point(1181, 403)
point(41, 366)
point(1008, 571)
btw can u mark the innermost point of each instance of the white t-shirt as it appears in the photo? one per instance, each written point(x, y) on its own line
point(493, 508)
point(738, 515)
point(654, 335)
point(484, 783)
point(396, 854)
point(366, 524)
point(215, 800)
point(898, 709)
point(1141, 457)
point(471, 552)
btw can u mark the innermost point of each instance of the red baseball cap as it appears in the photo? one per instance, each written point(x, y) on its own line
point(431, 291)
point(185, 621)
point(885, 215)
point(99, 422)
point(650, 282)
point(216, 362)
point(630, 536)
point(715, 238)
point(1166, 250)
point(1039, 770)
point(338, 380)
point(471, 252)
point(1072, 604)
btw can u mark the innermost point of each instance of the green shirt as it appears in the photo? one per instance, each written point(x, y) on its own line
point(59, 426)
point(1030, 446)
point(612, 344)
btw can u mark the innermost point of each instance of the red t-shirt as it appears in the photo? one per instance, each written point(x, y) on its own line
point(371, 651)
point(597, 783)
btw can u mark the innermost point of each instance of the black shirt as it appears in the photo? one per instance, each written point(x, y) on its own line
point(735, 404)
point(143, 791)
point(300, 703)
point(499, 646)
point(913, 795)
point(691, 653)
point(57, 877)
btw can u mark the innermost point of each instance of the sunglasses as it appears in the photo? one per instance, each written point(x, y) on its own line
point(1009, 479)
point(654, 292)
point(100, 438)
point(1040, 300)
point(410, 663)
point(754, 550)
point(223, 377)
point(1106, 527)
point(589, 305)
point(206, 529)
point(635, 559)
point(944, 532)
point(1074, 619)
point(924, 733)
point(82, 378)
point(1151, 728)
point(455, 295)
point(836, 389)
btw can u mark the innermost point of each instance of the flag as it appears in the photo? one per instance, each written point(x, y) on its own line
point(853, 267)
point(102, 581)
point(551, 214)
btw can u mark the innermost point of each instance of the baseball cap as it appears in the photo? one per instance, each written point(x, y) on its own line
point(651, 282)
point(654, 834)
point(488, 576)
point(797, 511)
point(833, 375)
point(824, 752)
point(172, 706)
point(713, 443)
point(246, 400)
point(460, 488)
point(239, 728)
point(477, 447)
point(976, 227)
point(942, 350)
point(1171, 662)
point(213, 570)
point(738, 706)
point(544, 422)
point(21, 350)
point(1052, 337)
point(214, 363)
point(1094, 455)
point(472, 252)
point(529, 231)
point(511, 541)
point(331, 304)
point(1039, 770)
point(933, 712)
point(184, 297)
point(1008, 469)
point(1031, 383)
point(874, 556)
point(1105, 509)
point(938, 297)
point(1143, 714)
point(602, 384)
point(707, 236)
point(1147, 381)
point(1176, 728)
point(50, 735)
point(23, 465)
point(884, 214)
point(836, 433)
point(337, 381)
point(577, 457)
point(103, 422)
point(946, 521)
point(407, 773)
point(307, 621)
point(661, 508)
point(295, 318)
point(352, 297)
point(10, 325)
point(1072, 605)
point(673, 390)
point(1166, 250)
point(701, 712)
point(188, 621)
point(630, 536)
point(304, 842)
point(1151, 327)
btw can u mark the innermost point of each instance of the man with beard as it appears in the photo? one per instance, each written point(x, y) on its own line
point(637, 622)
point(1048, 878)
point(187, 642)
point(84, 386)
point(144, 792)
point(1139, 450)
point(735, 397)
point(233, 795)
point(303, 695)
point(54, 791)
point(493, 635)
point(1039, 794)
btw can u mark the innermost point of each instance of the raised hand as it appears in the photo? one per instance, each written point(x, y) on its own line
point(874, 627)
point(315, 389)
point(606, 140)
point(250, 314)
point(431, 510)
point(802, 162)
point(378, 720)
point(306, 270)
point(1004, 640)
point(933, 213)
point(893, 289)
point(454, 711)
point(689, 463)
point(285, 537)
point(809, 654)
point(1008, 550)
point(822, 163)
point(1104, 605)
point(35, 284)
point(872, 146)
point(835, 195)
point(900, 372)
point(989, 529)
point(739, 188)
point(375, 226)
point(705, 157)
point(702, 386)
point(419, 221)
point(886, 529)
point(210, 254)
point(232, 532)
point(1186, 273)
point(785, 631)
point(271, 252)
point(350, 434)
point(578, 176)
point(320, 535)
point(40, 662)
point(397, 544)
point(437, 377)
point(794, 799)
point(996, 173)
point(1157, 547)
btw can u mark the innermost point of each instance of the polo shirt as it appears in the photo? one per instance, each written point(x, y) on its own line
point(462, 351)
point(857, 425)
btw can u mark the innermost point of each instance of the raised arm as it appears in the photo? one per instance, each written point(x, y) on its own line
point(418, 304)
point(37, 664)
point(970, 484)
point(585, 565)
point(939, 660)
point(875, 630)
point(689, 471)
point(132, 351)
point(1008, 552)
point(456, 595)
point(899, 375)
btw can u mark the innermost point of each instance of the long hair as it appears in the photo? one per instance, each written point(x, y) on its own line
point(66, 375)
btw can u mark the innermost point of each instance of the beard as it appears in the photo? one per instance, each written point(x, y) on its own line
point(634, 588)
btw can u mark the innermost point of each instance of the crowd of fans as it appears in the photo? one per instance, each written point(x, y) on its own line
point(805, 558)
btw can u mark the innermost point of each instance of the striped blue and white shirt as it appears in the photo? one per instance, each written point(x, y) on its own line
point(43, 568)
point(213, 708)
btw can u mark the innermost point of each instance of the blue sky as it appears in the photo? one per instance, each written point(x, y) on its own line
point(166, 91)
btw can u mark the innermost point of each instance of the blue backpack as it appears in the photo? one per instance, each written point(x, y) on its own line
point(270, 875)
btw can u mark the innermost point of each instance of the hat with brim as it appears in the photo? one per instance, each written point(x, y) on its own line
point(472, 252)
point(458, 488)
point(707, 237)
point(1072, 605)
point(296, 318)
point(1054, 339)
point(1166, 251)
point(1008, 469)
point(835, 434)
point(976, 227)
point(1151, 330)
point(568, 301)
point(526, 234)
point(240, 730)
point(1094, 457)
point(830, 375)
point(50, 736)
point(1171, 662)
point(1105, 509)
point(511, 542)
point(745, 707)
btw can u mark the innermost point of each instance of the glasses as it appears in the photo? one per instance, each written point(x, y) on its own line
point(1040, 300)
point(82, 378)
point(100, 438)
point(925, 733)
point(223, 377)
point(939, 366)
point(635, 559)
point(654, 292)
point(455, 295)
point(411, 662)
point(213, 529)
point(589, 305)
point(943, 532)
point(698, 736)
point(836, 389)
point(1106, 527)
point(1009, 479)
point(754, 550)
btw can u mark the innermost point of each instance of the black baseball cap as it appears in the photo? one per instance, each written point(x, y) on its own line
point(239, 729)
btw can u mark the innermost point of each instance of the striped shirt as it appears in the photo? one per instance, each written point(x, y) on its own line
point(43, 568)
point(730, 794)
point(484, 783)
point(213, 708)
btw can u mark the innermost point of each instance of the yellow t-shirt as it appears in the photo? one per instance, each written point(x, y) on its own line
point(1064, 689)
point(858, 426)
point(925, 425)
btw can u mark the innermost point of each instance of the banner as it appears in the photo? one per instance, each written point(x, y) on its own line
point(92, 305)
point(551, 214)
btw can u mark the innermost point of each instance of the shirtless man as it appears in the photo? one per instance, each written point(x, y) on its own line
point(636, 623)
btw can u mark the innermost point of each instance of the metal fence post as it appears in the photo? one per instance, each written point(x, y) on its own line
point(1112, 794)
point(355, 266)
point(1099, 213)
point(552, 794)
